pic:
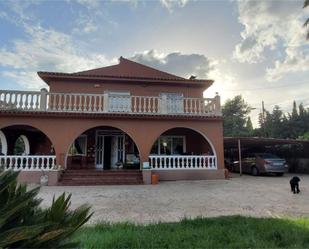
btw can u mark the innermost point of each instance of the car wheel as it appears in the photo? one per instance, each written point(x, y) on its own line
point(254, 171)
point(279, 174)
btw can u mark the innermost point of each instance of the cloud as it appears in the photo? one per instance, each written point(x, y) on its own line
point(296, 61)
point(270, 25)
point(171, 5)
point(186, 65)
point(177, 63)
point(91, 4)
point(85, 24)
point(46, 49)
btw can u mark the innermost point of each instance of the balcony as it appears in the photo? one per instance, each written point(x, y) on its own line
point(44, 101)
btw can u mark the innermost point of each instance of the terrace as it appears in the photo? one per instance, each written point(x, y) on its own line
point(51, 102)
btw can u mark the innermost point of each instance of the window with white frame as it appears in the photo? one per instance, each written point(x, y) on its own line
point(169, 145)
point(79, 146)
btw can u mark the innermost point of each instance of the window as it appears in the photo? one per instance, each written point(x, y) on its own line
point(22, 146)
point(79, 146)
point(169, 145)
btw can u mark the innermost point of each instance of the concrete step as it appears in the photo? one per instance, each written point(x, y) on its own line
point(94, 177)
point(90, 183)
point(76, 172)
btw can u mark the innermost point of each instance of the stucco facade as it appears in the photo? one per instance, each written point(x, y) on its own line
point(63, 127)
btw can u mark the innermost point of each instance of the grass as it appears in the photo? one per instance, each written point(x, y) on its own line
point(221, 232)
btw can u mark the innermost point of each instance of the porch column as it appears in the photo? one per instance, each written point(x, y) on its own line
point(144, 149)
point(60, 160)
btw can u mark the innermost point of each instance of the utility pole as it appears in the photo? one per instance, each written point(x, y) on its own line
point(239, 157)
point(263, 118)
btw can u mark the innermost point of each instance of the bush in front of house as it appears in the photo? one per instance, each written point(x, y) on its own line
point(23, 224)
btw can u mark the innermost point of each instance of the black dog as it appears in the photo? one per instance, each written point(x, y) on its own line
point(294, 184)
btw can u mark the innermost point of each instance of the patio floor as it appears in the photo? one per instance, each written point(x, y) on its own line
point(171, 201)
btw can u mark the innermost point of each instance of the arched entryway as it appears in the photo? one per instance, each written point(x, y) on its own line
point(182, 148)
point(103, 148)
point(26, 148)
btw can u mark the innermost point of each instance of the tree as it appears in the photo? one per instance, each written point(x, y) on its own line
point(249, 127)
point(23, 224)
point(294, 111)
point(305, 136)
point(235, 113)
point(279, 125)
point(306, 24)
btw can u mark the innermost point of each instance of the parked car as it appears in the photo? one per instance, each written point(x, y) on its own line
point(261, 163)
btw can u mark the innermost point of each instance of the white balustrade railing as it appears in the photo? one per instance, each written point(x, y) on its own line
point(20, 100)
point(145, 104)
point(28, 163)
point(174, 162)
point(105, 103)
point(74, 102)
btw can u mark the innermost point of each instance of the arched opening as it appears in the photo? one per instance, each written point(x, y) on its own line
point(21, 146)
point(3, 144)
point(182, 148)
point(27, 148)
point(181, 141)
point(27, 140)
point(103, 148)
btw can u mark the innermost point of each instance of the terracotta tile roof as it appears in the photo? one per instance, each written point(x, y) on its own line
point(125, 70)
point(128, 68)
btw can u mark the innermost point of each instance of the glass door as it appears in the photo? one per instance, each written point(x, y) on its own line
point(99, 151)
point(174, 102)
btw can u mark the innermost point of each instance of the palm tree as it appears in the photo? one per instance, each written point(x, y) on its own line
point(306, 4)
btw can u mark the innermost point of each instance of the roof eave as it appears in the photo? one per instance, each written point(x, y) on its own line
point(48, 76)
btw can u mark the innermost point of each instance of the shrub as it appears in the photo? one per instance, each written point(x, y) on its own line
point(23, 224)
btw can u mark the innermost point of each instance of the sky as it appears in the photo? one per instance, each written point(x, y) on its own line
point(253, 48)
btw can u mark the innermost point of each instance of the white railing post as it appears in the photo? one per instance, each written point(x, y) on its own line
point(217, 105)
point(105, 102)
point(43, 102)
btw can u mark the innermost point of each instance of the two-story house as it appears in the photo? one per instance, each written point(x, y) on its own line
point(112, 125)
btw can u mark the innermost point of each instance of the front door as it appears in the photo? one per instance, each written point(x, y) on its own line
point(99, 151)
point(109, 150)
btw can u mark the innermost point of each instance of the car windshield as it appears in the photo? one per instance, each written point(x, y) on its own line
point(267, 156)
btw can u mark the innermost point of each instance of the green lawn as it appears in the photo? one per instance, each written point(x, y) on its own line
point(221, 232)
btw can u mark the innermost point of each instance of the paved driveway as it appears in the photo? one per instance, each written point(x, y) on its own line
point(171, 201)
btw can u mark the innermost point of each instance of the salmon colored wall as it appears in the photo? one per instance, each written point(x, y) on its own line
point(62, 130)
point(138, 89)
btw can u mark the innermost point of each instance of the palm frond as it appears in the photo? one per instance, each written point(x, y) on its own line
point(23, 224)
